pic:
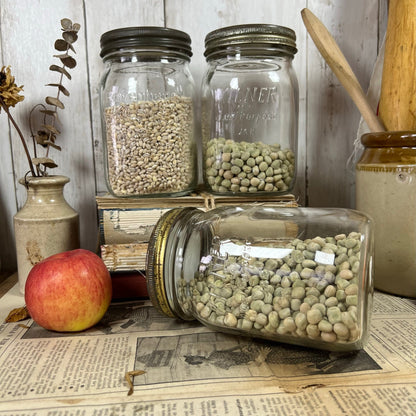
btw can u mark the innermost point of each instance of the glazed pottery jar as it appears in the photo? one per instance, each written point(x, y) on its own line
point(386, 190)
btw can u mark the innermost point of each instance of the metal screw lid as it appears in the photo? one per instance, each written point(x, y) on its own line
point(155, 260)
point(256, 36)
point(174, 41)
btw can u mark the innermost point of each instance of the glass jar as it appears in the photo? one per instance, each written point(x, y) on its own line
point(295, 275)
point(147, 107)
point(386, 190)
point(250, 110)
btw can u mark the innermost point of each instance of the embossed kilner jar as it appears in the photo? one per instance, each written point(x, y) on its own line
point(250, 110)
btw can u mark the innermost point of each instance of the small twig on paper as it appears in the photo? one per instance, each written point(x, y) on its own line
point(129, 378)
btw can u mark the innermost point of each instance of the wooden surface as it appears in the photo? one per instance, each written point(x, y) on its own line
point(398, 87)
point(6, 283)
point(328, 119)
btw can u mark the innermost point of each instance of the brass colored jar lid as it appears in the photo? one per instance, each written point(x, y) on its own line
point(155, 261)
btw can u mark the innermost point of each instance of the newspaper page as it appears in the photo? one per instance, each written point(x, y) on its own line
point(185, 369)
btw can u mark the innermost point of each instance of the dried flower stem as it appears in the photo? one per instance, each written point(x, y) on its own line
point(32, 134)
point(5, 108)
point(54, 118)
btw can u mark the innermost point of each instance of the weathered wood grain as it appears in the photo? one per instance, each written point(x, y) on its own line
point(332, 117)
point(208, 16)
point(328, 119)
point(30, 29)
point(132, 13)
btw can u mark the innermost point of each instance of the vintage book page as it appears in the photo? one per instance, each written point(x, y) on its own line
point(131, 220)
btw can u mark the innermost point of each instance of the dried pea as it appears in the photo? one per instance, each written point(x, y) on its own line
point(283, 296)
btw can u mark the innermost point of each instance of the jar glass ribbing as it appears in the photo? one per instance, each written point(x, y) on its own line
point(147, 106)
point(250, 110)
point(295, 275)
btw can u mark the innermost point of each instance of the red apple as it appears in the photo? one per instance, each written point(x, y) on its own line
point(69, 291)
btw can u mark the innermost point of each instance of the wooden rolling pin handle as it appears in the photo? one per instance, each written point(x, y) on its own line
point(397, 108)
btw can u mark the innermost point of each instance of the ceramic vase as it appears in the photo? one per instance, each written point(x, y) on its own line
point(45, 225)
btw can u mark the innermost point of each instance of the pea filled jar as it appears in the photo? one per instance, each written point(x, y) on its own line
point(250, 110)
point(147, 108)
point(295, 275)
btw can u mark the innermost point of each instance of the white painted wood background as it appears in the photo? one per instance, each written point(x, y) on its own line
point(328, 119)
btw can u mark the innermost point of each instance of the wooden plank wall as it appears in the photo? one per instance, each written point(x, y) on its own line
point(328, 119)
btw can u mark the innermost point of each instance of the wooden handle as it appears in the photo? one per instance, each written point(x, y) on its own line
point(339, 65)
point(397, 106)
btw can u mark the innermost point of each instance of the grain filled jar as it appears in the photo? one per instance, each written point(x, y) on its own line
point(147, 107)
point(386, 190)
point(250, 110)
point(294, 275)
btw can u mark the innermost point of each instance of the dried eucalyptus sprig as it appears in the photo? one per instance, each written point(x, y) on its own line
point(46, 133)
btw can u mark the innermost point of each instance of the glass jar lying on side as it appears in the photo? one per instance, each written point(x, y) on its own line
point(295, 275)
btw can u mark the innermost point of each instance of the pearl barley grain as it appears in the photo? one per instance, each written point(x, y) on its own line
point(150, 146)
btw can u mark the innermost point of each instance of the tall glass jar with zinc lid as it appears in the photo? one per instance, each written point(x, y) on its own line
point(250, 110)
point(147, 107)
